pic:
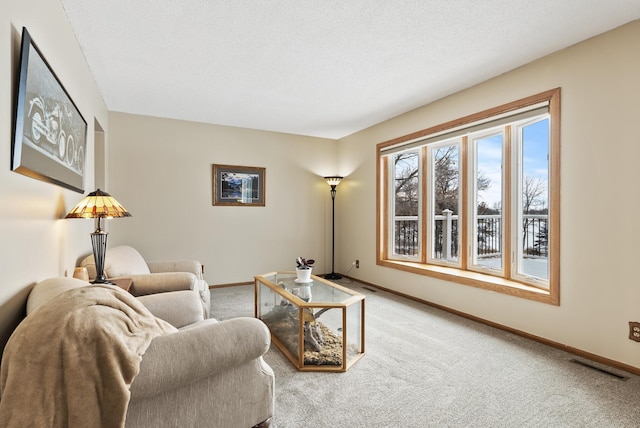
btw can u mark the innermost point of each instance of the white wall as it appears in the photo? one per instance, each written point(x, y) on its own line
point(600, 148)
point(36, 243)
point(161, 171)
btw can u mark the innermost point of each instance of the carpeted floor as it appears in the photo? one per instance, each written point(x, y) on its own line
point(427, 368)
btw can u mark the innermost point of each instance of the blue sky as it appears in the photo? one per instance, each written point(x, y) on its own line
point(535, 158)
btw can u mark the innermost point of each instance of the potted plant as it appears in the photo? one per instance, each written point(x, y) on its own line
point(303, 269)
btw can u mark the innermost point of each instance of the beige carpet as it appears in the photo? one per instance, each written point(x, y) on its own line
point(427, 368)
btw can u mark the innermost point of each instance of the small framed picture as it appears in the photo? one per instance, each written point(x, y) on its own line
point(238, 186)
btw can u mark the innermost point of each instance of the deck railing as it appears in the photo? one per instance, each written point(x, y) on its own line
point(489, 236)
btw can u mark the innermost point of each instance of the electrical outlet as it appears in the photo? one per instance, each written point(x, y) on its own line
point(634, 331)
point(357, 264)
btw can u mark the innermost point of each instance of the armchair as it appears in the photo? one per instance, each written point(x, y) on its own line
point(216, 366)
point(200, 372)
point(153, 277)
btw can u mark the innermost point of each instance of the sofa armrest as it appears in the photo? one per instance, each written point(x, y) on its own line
point(178, 308)
point(177, 359)
point(193, 266)
point(162, 282)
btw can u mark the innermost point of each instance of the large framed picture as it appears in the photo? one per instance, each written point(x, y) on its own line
point(238, 185)
point(50, 134)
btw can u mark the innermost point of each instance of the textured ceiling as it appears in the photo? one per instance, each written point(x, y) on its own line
point(312, 67)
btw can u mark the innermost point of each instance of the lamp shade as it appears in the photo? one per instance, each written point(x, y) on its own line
point(98, 204)
point(333, 181)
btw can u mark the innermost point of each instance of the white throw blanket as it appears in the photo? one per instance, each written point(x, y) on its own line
point(70, 363)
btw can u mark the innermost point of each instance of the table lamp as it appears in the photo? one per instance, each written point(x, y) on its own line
point(99, 205)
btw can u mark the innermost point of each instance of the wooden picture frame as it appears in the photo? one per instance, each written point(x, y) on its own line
point(240, 186)
point(49, 134)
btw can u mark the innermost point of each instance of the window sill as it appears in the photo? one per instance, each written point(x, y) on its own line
point(475, 279)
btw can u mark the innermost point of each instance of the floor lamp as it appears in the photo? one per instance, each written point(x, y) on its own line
point(99, 205)
point(333, 182)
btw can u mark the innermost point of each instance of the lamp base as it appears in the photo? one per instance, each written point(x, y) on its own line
point(333, 275)
point(99, 243)
point(101, 281)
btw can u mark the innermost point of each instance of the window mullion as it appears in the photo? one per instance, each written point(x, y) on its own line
point(554, 200)
point(387, 209)
point(427, 218)
point(464, 218)
point(507, 207)
point(424, 197)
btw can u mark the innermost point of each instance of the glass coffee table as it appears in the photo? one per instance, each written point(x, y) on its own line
point(318, 325)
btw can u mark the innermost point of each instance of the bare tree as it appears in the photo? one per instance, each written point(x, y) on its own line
point(534, 192)
point(406, 202)
point(446, 178)
point(447, 175)
point(406, 183)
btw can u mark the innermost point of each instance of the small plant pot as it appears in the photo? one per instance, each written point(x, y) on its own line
point(303, 275)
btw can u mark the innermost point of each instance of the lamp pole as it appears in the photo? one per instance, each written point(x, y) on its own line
point(333, 182)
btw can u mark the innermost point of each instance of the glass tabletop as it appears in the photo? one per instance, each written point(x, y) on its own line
point(321, 290)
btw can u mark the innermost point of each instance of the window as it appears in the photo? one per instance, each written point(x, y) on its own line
point(406, 204)
point(443, 190)
point(476, 200)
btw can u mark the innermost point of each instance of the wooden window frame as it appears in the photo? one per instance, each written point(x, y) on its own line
point(462, 275)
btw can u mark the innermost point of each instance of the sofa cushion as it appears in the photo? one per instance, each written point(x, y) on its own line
point(178, 308)
point(48, 288)
point(122, 260)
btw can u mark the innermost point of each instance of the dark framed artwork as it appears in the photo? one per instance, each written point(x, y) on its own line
point(50, 134)
point(238, 185)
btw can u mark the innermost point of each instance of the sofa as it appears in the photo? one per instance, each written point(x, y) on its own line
point(176, 368)
point(152, 277)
